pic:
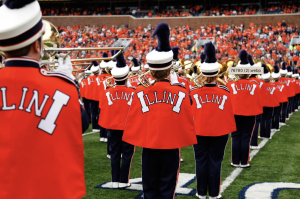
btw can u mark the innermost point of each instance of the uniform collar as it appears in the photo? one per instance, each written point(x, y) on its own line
point(210, 85)
point(22, 62)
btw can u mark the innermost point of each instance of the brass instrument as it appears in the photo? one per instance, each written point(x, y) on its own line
point(199, 80)
point(1, 64)
point(110, 82)
point(52, 46)
point(143, 79)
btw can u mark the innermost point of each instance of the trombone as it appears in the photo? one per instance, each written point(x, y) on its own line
point(52, 45)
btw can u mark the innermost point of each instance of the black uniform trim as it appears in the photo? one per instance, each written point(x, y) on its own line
point(132, 87)
point(194, 88)
point(178, 84)
point(253, 80)
point(224, 87)
point(57, 74)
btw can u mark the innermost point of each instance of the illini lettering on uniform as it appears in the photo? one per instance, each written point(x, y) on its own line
point(247, 87)
point(168, 98)
point(48, 124)
point(220, 100)
point(119, 96)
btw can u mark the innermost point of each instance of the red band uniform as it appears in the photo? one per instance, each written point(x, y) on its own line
point(41, 148)
point(211, 104)
point(155, 122)
point(281, 96)
point(270, 95)
point(115, 103)
point(246, 103)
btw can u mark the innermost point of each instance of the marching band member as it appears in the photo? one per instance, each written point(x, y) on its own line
point(83, 93)
point(286, 82)
point(295, 76)
point(42, 156)
point(270, 94)
point(291, 91)
point(297, 89)
point(282, 97)
point(259, 82)
point(181, 79)
point(211, 104)
point(134, 72)
point(155, 122)
point(104, 65)
point(115, 103)
point(92, 85)
point(246, 105)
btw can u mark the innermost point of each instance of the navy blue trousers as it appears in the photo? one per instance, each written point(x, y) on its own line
point(240, 145)
point(284, 112)
point(290, 106)
point(95, 114)
point(160, 171)
point(266, 122)
point(255, 132)
point(209, 153)
point(295, 103)
point(118, 147)
point(276, 117)
point(108, 142)
point(87, 107)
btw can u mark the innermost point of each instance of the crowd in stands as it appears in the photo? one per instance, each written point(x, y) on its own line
point(136, 12)
point(284, 7)
point(270, 42)
point(232, 10)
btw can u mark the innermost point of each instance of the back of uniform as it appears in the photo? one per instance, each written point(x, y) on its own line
point(217, 103)
point(115, 103)
point(245, 97)
point(45, 113)
point(160, 111)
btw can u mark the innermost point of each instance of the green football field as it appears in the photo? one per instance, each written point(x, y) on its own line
point(277, 161)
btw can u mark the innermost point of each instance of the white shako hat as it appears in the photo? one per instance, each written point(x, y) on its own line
point(146, 66)
point(111, 63)
point(289, 71)
point(136, 66)
point(210, 67)
point(95, 67)
point(243, 55)
point(20, 25)
point(175, 56)
point(87, 72)
point(283, 69)
point(295, 74)
point(276, 73)
point(266, 74)
point(120, 72)
point(105, 63)
point(161, 57)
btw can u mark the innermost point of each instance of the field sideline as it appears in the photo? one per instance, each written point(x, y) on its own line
point(277, 161)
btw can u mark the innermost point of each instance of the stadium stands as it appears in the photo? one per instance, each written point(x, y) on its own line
point(271, 43)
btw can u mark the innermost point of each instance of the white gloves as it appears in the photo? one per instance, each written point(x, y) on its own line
point(174, 78)
point(65, 66)
point(128, 83)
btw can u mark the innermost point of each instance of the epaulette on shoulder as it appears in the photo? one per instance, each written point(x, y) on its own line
point(253, 80)
point(194, 88)
point(132, 87)
point(57, 74)
point(178, 84)
point(224, 87)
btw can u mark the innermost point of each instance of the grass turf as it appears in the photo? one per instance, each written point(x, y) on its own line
point(277, 162)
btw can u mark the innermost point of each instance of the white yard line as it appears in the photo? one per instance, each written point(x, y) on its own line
point(89, 133)
point(236, 172)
